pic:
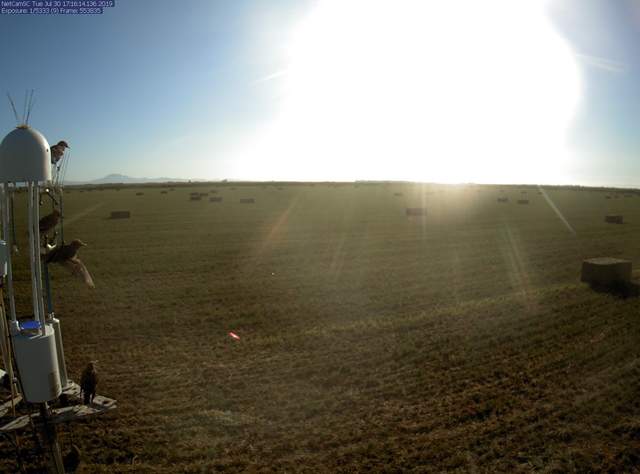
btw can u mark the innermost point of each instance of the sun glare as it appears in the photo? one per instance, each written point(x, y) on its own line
point(449, 91)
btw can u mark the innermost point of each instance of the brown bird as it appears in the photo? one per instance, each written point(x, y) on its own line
point(67, 255)
point(49, 221)
point(57, 151)
point(88, 383)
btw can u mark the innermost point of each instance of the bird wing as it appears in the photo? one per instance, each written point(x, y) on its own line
point(89, 380)
point(78, 268)
point(84, 379)
point(52, 256)
point(60, 254)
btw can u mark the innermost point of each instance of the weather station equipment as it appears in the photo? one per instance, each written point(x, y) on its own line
point(42, 394)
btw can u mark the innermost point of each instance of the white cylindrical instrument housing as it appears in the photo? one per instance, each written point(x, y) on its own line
point(62, 365)
point(37, 362)
point(25, 156)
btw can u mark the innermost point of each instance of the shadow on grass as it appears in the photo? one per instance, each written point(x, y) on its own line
point(621, 289)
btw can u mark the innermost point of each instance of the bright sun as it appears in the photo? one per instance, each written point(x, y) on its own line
point(455, 91)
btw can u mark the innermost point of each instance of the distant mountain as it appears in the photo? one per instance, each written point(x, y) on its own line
point(121, 178)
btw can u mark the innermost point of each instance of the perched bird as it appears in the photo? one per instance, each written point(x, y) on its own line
point(88, 383)
point(57, 151)
point(49, 221)
point(67, 255)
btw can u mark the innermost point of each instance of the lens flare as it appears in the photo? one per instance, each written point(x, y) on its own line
point(438, 91)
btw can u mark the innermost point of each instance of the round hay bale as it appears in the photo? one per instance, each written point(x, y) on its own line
point(163, 192)
point(139, 194)
point(120, 215)
point(606, 271)
point(398, 194)
point(614, 219)
point(523, 201)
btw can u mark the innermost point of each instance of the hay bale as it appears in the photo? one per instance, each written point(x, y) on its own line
point(215, 199)
point(607, 197)
point(416, 211)
point(397, 194)
point(523, 201)
point(195, 198)
point(247, 201)
point(163, 192)
point(606, 271)
point(120, 215)
point(139, 194)
point(614, 219)
point(503, 199)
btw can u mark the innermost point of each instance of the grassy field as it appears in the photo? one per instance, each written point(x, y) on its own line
point(369, 341)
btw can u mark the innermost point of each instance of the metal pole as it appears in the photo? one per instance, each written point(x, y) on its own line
point(12, 216)
point(7, 237)
point(33, 256)
point(61, 218)
point(38, 267)
point(50, 434)
point(47, 286)
point(7, 344)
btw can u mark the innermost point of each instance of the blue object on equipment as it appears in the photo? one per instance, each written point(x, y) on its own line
point(30, 325)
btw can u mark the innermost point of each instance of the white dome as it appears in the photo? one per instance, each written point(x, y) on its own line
point(25, 156)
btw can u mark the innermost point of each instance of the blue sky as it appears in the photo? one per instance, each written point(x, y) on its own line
point(176, 88)
point(606, 130)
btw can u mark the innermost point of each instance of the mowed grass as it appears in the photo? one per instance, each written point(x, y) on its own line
point(369, 341)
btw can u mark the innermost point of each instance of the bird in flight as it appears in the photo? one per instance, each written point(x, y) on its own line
point(88, 383)
point(67, 255)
